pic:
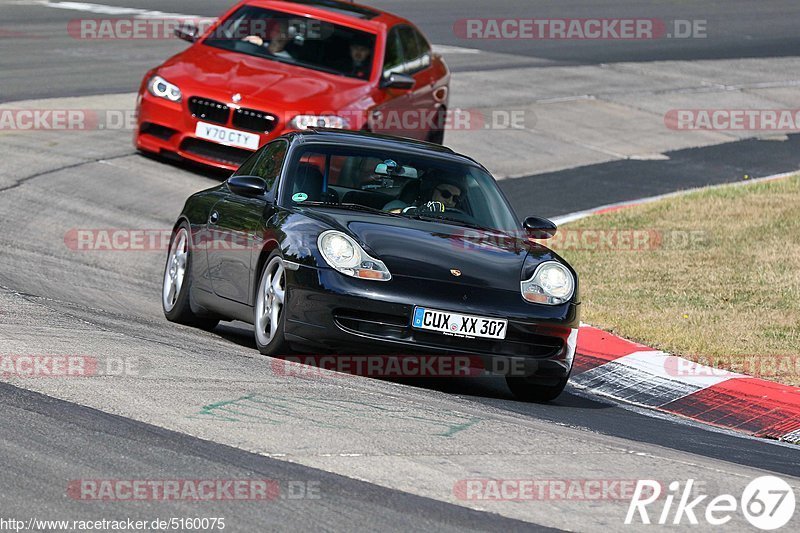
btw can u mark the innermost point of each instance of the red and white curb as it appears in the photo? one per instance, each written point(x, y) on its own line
point(629, 372)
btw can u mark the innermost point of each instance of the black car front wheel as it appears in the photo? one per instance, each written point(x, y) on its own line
point(269, 311)
point(178, 282)
point(529, 389)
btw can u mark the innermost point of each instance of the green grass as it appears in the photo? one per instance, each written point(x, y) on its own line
point(722, 287)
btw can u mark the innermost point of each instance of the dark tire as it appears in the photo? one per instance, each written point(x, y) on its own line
point(177, 282)
point(531, 390)
point(269, 316)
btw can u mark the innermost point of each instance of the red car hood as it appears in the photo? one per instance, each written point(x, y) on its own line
point(216, 73)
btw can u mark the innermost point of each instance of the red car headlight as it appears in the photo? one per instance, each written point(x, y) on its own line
point(161, 88)
point(304, 122)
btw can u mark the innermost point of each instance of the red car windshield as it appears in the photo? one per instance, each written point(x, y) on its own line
point(307, 42)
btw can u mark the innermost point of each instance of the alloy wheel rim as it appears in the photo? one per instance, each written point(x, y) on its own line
point(175, 271)
point(270, 301)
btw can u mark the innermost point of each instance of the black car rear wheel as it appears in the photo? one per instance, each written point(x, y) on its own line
point(178, 282)
point(529, 389)
point(269, 311)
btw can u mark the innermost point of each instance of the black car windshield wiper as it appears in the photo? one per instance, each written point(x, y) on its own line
point(351, 207)
point(453, 221)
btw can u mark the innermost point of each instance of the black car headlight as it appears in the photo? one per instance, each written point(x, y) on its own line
point(345, 255)
point(161, 88)
point(552, 283)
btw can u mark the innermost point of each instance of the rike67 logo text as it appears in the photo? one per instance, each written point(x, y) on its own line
point(767, 503)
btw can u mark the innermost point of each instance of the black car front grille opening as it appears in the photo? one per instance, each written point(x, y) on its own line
point(254, 120)
point(210, 110)
point(393, 326)
point(518, 341)
point(216, 152)
point(156, 130)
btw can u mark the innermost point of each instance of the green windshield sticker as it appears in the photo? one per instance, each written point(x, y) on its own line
point(300, 197)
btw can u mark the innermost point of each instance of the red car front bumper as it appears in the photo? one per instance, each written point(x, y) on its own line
point(168, 129)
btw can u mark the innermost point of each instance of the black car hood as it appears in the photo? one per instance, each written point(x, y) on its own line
point(436, 251)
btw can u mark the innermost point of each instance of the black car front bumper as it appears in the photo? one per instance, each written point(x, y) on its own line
point(328, 312)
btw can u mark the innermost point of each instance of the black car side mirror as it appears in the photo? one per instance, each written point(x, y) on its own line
point(539, 228)
point(395, 80)
point(187, 31)
point(250, 186)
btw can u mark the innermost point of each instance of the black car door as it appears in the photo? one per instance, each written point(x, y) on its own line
point(236, 228)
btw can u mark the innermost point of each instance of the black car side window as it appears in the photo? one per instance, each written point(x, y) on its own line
point(246, 169)
point(269, 166)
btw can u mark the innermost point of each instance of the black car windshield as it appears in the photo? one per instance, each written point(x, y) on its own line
point(397, 183)
point(303, 41)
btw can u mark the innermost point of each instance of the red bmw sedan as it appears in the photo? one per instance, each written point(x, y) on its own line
point(267, 67)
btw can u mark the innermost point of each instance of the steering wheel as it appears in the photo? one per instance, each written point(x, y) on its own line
point(331, 196)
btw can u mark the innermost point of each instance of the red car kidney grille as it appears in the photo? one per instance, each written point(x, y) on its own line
point(254, 120)
point(210, 110)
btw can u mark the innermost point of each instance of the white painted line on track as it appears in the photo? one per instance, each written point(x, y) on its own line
point(578, 215)
point(102, 9)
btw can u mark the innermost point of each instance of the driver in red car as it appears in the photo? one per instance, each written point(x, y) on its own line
point(278, 42)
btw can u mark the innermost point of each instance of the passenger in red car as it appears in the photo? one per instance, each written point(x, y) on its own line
point(359, 60)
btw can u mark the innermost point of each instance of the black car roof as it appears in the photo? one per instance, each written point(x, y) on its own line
point(351, 136)
point(376, 140)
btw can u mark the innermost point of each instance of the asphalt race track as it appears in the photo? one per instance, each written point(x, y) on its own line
point(367, 453)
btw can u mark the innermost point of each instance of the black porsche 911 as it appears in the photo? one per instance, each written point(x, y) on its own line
point(342, 243)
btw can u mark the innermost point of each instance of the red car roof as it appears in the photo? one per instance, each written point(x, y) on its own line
point(333, 11)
